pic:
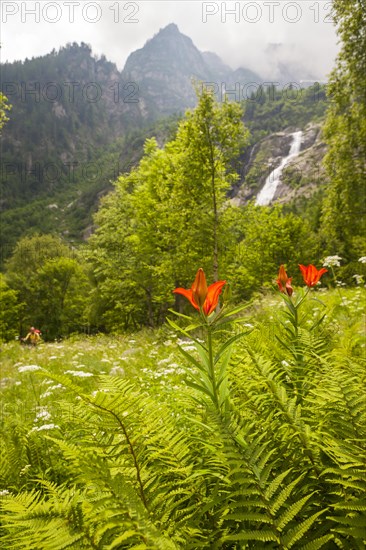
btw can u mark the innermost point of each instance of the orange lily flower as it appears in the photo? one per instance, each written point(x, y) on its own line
point(202, 297)
point(284, 282)
point(311, 275)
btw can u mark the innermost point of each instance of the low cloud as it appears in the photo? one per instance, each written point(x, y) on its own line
point(255, 35)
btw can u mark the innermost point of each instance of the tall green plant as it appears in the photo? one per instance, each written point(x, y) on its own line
point(234, 459)
point(152, 232)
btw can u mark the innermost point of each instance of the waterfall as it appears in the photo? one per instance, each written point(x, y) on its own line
point(268, 190)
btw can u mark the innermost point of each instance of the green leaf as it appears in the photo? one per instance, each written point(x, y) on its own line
point(284, 494)
point(292, 511)
point(274, 485)
point(296, 534)
point(262, 535)
point(317, 543)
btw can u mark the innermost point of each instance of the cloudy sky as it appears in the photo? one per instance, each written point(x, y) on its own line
point(250, 34)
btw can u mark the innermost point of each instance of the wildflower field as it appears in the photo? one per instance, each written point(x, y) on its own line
point(234, 430)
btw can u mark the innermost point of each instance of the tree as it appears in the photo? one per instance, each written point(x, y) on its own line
point(51, 285)
point(4, 106)
point(211, 136)
point(9, 311)
point(268, 239)
point(63, 288)
point(167, 217)
point(343, 224)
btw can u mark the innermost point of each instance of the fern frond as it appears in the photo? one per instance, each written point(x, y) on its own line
point(296, 534)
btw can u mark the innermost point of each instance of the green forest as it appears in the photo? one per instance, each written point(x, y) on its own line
point(195, 372)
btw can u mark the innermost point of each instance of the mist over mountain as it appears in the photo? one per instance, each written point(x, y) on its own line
point(77, 122)
point(73, 91)
point(67, 105)
point(167, 66)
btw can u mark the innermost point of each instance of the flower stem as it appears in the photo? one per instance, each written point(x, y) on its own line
point(211, 367)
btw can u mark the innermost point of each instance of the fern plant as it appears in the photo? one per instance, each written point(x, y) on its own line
point(277, 460)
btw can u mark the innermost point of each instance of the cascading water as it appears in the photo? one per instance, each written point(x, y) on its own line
point(268, 190)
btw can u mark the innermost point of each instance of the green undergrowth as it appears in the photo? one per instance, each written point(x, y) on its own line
point(106, 443)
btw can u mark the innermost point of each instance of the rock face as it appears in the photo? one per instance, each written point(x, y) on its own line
point(73, 101)
point(302, 176)
point(77, 122)
point(306, 174)
point(166, 68)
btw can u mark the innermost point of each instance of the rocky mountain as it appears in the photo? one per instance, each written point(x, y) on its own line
point(167, 67)
point(77, 122)
point(68, 105)
point(302, 176)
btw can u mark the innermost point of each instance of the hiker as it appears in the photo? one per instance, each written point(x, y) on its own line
point(33, 337)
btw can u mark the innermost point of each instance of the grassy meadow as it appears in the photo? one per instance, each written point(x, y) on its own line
point(108, 442)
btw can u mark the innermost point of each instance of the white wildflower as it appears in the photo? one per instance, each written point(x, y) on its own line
point(56, 387)
point(45, 427)
point(4, 492)
point(5, 381)
point(168, 371)
point(43, 414)
point(50, 390)
point(181, 342)
point(45, 394)
point(332, 261)
point(358, 279)
point(117, 371)
point(29, 368)
point(362, 260)
point(189, 348)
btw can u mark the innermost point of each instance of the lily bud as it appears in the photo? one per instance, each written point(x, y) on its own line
point(228, 294)
point(199, 288)
point(284, 282)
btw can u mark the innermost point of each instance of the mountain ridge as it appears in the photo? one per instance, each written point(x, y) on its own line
point(65, 152)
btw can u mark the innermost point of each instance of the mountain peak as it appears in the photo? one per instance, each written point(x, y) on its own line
point(172, 28)
point(165, 68)
point(170, 35)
